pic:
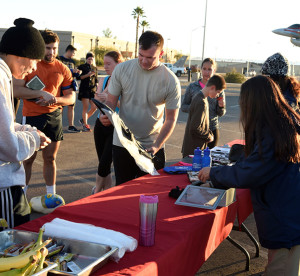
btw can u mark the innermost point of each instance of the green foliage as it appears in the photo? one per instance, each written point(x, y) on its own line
point(144, 24)
point(107, 33)
point(178, 56)
point(77, 62)
point(234, 77)
point(99, 54)
point(137, 13)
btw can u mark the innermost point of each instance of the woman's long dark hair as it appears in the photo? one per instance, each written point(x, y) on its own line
point(286, 82)
point(263, 106)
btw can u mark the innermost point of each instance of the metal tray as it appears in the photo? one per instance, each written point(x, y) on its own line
point(89, 256)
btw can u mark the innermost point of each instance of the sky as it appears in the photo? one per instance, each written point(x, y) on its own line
point(235, 29)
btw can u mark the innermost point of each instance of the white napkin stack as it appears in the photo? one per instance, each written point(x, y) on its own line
point(61, 228)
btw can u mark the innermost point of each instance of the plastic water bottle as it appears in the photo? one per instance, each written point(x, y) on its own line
point(206, 160)
point(197, 160)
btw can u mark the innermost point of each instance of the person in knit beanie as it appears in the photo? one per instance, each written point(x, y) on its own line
point(21, 48)
point(277, 68)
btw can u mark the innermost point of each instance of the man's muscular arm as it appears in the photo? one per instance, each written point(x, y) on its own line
point(21, 91)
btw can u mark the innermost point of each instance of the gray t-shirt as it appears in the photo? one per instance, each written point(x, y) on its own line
point(144, 96)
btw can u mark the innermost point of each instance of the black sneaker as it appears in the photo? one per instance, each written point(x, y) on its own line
point(73, 129)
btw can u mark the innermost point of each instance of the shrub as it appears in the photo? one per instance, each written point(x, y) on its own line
point(234, 77)
point(99, 54)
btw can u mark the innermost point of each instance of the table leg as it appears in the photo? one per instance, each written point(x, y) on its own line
point(243, 250)
point(244, 229)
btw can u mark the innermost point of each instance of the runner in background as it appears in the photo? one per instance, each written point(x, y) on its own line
point(67, 60)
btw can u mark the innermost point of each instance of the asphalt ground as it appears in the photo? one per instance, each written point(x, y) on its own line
point(77, 165)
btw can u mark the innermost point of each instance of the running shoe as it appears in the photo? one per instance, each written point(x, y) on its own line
point(73, 129)
point(86, 128)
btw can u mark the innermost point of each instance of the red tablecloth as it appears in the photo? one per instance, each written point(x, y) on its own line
point(185, 236)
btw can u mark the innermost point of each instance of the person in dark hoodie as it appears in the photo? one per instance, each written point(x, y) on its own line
point(270, 168)
point(277, 67)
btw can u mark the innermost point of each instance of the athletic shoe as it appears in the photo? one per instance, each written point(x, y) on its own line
point(86, 128)
point(81, 122)
point(73, 129)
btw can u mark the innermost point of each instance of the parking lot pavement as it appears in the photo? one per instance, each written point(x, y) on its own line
point(77, 165)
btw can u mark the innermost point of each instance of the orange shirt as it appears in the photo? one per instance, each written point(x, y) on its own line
point(56, 77)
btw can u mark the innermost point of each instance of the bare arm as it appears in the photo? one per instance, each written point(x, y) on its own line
point(90, 73)
point(68, 97)
point(112, 102)
point(21, 91)
point(166, 130)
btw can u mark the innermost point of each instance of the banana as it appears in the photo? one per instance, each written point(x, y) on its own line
point(39, 240)
point(21, 271)
point(27, 248)
point(44, 253)
point(20, 260)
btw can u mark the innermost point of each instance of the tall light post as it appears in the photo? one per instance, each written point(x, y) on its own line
point(204, 30)
point(191, 45)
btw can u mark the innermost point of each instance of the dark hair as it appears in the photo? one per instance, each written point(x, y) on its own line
point(213, 63)
point(149, 39)
point(263, 106)
point(116, 56)
point(70, 48)
point(218, 81)
point(89, 54)
point(49, 36)
point(288, 83)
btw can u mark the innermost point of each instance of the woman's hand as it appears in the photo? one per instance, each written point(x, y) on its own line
point(204, 174)
point(104, 120)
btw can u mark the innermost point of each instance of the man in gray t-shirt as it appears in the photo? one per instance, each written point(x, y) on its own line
point(149, 102)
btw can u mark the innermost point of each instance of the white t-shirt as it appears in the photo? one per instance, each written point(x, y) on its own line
point(144, 96)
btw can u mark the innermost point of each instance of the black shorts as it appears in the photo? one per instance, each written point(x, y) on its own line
point(14, 206)
point(85, 94)
point(49, 123)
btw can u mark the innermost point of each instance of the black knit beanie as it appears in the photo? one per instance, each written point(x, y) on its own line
point(23, 40)
point(276, 65)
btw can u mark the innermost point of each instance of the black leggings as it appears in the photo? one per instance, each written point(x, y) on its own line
point(214, 143)
point(103, 137)
point(125, 167)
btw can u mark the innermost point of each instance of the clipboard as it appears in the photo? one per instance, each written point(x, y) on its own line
point(35, 84)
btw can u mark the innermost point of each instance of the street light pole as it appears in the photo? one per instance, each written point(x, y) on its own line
point(191, 45)
point(204, 30)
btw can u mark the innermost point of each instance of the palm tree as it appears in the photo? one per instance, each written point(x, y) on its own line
point(144, 24)
point(137, 13)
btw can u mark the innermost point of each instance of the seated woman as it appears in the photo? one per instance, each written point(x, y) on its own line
point(270, 169)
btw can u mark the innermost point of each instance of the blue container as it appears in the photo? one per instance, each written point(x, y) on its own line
point(206, 159)
point(197, 160)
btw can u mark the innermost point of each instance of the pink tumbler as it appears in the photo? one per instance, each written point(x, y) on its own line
point(148, 210)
